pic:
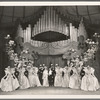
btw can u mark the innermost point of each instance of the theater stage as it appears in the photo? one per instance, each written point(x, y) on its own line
point(50, 91)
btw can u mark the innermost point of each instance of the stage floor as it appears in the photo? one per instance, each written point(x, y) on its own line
point(50, 91)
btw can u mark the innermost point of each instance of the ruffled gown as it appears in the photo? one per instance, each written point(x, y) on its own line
point(74, 79)
point(45, 78)
point(58, 78)
point(23, 80)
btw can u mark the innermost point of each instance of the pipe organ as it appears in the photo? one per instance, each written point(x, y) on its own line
point(50, 21)
point(74, 33)
point(25, 34)
point(82, 30)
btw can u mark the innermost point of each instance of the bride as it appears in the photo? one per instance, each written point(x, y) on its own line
point(45, 77)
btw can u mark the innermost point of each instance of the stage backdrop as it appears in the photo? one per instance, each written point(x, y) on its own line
point(47, 60)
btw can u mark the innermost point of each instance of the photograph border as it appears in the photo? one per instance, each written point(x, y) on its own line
point(49, 3)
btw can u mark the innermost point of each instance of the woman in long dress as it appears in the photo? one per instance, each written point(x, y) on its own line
point(79, 70)
point(58, 76)
point(85, 80)
point(74, 79)
point(66, 77)
point(6, 81)
point(33, 77)
point(45, 77)
point(23, 80)
point(93, 81)
point(15, 82)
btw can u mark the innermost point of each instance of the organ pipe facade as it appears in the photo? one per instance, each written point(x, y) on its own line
point(50, 21)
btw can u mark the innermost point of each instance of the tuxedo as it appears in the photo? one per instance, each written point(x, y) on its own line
point(51, 77)
point(40, 75)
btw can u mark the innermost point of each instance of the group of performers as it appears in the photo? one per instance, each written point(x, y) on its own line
point(74, 75)
point(23, 75)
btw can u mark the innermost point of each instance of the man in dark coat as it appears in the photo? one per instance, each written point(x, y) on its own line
point(51, 75)
point(40, 74)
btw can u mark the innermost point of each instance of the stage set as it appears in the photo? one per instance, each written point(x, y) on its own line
point(50, 52)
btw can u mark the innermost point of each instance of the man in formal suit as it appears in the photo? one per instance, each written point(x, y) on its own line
point(40, 73)
point(51, 76)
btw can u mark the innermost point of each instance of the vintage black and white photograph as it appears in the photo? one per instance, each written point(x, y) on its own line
point(50, 50)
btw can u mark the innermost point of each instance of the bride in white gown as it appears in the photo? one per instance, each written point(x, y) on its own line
point(66, 77)
point(45, 77)
point(58, 77)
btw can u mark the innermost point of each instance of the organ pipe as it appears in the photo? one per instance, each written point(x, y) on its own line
point(49, 21)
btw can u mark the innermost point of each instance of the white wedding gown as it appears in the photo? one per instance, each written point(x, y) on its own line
point(58, 78)
point(65, 78)
point(45, 78)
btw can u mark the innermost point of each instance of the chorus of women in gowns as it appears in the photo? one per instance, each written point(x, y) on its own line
point(74, 79)
point(66, 77)
point(23, 80)
point(58, 77)
point(45, 77)
point(33, 77)
point(9, 82)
